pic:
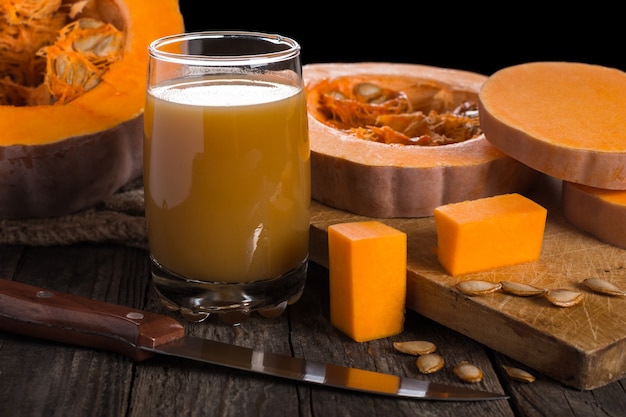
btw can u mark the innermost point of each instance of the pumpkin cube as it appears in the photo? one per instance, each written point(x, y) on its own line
point(367, 274)
point(487, 233)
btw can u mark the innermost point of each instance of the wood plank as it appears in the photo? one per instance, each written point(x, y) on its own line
point(582, 346)
point(544, 397)
point(9, 260)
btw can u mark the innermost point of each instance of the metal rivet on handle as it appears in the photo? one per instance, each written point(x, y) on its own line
point(135, 315)
point(44, 294)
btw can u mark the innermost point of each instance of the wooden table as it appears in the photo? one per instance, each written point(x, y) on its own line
point(40, 378)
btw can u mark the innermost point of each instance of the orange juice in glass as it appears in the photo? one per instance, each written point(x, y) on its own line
point(227, 174)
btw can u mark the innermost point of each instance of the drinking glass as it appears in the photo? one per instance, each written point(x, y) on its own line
point(227, 173)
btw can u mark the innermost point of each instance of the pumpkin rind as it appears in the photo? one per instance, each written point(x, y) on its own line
point(565, 119)
point(599, 212)
point(385, 180)
point(58, 159)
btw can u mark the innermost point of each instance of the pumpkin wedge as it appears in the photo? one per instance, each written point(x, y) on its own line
point(565, 119)
point(597, 211)
point(376, 147)
point(71, 106)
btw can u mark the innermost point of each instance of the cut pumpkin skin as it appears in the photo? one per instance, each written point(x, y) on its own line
point(389, 180)
point(599, 212)
point(564, 119)
point(57, 159)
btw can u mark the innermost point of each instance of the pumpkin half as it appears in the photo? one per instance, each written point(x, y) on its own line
point(397, 140)
point(565, 119)
point(74, 137)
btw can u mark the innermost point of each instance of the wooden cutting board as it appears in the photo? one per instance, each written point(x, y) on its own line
point(582, 346)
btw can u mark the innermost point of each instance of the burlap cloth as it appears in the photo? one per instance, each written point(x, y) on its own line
point(120, 219)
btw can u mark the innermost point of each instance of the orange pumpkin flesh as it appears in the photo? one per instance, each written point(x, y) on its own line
point(57, 159)
point(597, 211)
point(390, 180)
point(564, 119)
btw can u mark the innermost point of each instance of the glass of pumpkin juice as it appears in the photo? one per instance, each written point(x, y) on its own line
point(227, 174)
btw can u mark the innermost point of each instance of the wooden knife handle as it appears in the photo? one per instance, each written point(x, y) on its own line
point(41, 313)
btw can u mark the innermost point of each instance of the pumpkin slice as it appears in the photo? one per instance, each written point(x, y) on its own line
point(61, 152)
point(565, 119)
point(383, 168)
point(597, 211)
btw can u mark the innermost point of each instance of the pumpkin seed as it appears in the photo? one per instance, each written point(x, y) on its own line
point(603, 287)
point(415, 347)
point(81, 55)
point(520, 289)
point(562, 297)
point(477, 287)
point(429, 363)
point(468, 372)
point(518, 374)
point(367, 91)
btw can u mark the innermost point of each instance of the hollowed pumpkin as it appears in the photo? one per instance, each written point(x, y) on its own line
point(64, 149)
point(373, 171)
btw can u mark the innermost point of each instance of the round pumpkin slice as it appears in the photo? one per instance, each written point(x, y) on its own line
point(397, 140)
point(72, 94)
point(597, 211)
point(565, 119)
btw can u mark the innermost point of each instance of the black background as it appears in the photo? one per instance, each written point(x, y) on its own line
point(468, 36)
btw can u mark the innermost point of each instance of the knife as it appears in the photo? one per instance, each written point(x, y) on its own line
point(139, 335)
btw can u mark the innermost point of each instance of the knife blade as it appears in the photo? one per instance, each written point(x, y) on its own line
point(36, 312)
